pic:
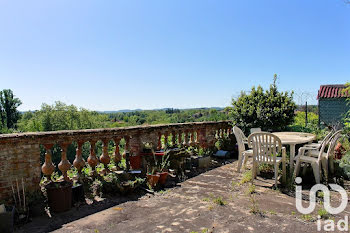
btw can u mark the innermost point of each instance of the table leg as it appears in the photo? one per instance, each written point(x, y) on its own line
point(291, 158)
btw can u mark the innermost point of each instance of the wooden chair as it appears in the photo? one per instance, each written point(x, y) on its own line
point(243, 154)
point(317, 162)
point(266, 147)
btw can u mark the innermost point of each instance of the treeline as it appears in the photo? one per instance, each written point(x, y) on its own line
point(167, 116)
point(60, 116)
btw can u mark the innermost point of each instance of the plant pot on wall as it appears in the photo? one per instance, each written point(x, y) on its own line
point(7, 219)
point(59, 195)
point(135, 162)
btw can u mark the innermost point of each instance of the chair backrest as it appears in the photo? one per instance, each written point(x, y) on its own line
point(325, 139)
point(331, 143)
point(265, 146)
point(240, 138)
point(255, 130)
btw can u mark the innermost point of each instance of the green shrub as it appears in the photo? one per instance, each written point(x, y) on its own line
point(269, 110)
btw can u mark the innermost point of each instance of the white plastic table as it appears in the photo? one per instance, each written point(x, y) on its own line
point(292, 139)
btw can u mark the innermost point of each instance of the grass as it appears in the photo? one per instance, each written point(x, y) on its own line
point(323, 213)
point(254, 208)
point(219, 201)
point(215, 200)
point(247, 176)
point(307, 217)
point(251, 189)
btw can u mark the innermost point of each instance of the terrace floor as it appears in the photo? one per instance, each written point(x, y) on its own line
point(191, 207)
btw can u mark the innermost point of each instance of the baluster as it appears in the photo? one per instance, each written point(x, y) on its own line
point(179, 139)
point(48, 167)
point(104, 158)
point(92, 159)
point(186, 138)
point(127, 143)
point(197, 137)
point(221, 133)
point(192, 143)
point(117, 156)
point(165, 140)
point(79, 162)
point(173, 138)
point(159, 146)
point(64, 165)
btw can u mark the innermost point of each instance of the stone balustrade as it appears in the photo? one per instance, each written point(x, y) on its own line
point(20, 153)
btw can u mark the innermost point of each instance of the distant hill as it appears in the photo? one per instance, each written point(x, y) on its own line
point(158, 109)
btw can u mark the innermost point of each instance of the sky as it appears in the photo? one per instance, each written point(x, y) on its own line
point(112, 55)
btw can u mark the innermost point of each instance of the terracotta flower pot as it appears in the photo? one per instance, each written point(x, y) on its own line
point(135, 162)
point(163, 177)
point(153, 179)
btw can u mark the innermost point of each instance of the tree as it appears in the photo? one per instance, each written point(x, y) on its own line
point(8, 109)
point(269, 110)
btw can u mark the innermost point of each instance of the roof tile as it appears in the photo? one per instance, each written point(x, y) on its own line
point(332, 91)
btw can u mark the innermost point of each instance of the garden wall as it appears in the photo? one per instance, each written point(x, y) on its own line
point(20, 153)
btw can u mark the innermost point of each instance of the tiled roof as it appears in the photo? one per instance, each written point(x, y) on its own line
point(332, 91)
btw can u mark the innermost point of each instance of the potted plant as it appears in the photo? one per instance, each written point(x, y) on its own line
point(20, 200)
point(129, 186)
point(147, 149)
point(59, 195)
point(7, 214)
point(152, 177)
point(135, 161)
point(78, 194)
point(204, 158)
point(163, 166)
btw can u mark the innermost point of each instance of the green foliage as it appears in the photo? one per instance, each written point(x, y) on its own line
point(269, 110)
point(9, 114)
point(310, 127)
point(61, 117)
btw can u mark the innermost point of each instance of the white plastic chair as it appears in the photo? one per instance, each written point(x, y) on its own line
point(266, 147)
point(243, 154)
point(255, 130)
point(317, 162)
point(318, 145)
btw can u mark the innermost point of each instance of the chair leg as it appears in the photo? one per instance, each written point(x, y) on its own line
point(325, 168)
point(297, 168)
point(240, 160)
point(316, 169)
point(254, 170)
point(331, 165)
point(246, 157)
point(276, 174)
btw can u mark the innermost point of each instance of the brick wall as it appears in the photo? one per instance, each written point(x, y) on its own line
point(20, 153)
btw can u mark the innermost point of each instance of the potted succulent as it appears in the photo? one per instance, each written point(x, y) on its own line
point(7, 214)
